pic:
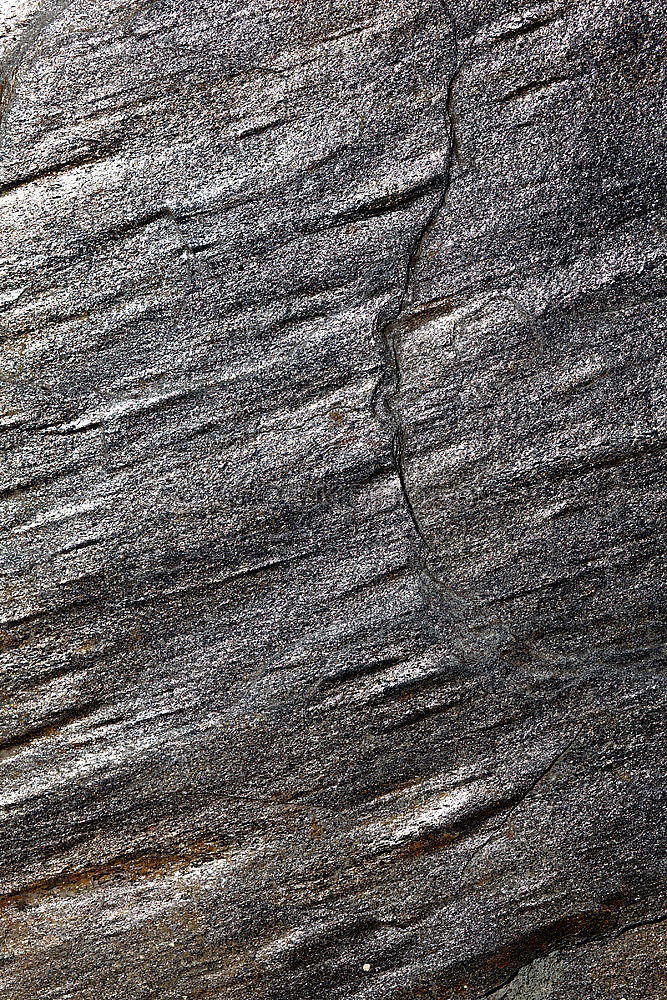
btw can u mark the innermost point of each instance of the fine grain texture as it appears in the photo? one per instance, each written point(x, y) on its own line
point(333, 499)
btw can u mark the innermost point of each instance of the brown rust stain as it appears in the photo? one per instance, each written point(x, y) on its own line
point(87, 646)
point(591, 923)
point(316, 830)
point(129, 867)
point(426, 844)
point(7, 641)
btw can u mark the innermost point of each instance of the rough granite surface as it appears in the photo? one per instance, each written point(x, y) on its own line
point(333, 499)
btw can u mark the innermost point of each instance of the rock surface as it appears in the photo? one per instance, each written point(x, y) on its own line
point(333, 500)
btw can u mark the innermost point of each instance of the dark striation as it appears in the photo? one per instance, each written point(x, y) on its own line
point(333, 500)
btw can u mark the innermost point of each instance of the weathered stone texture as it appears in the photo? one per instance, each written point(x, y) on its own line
point(333, 500)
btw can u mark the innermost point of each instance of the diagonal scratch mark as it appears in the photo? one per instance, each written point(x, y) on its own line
point(649, 922)
point(524, 795)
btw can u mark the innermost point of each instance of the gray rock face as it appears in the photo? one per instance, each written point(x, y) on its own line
point(333, 500)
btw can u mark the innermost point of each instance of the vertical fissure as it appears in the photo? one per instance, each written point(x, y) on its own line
point(388, 327)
